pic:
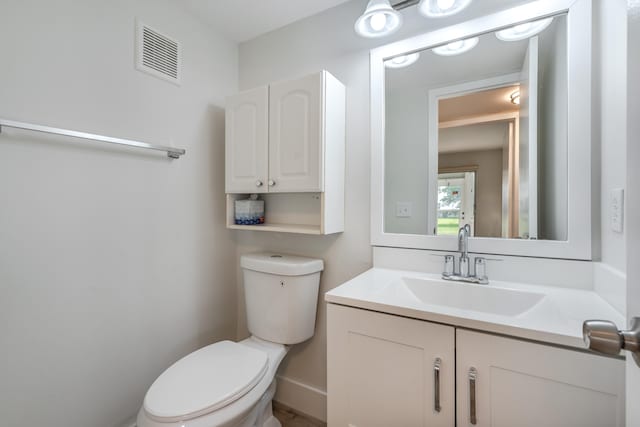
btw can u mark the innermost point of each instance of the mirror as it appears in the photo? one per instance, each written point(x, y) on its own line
point(492, 111)
point(487, 123)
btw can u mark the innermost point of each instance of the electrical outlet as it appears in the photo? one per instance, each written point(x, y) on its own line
point(403, 209)
point(617, 209)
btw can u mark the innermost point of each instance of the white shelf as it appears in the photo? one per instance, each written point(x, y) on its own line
point(281, 228)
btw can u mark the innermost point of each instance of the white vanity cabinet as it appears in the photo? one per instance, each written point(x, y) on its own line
point(381, 373)
point(519, 383)
point(287, 139)
point(382, 370)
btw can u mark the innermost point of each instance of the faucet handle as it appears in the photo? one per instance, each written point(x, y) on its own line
point(448, 265)
point(481, 268)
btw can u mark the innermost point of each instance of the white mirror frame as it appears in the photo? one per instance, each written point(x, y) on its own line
point(579, 35)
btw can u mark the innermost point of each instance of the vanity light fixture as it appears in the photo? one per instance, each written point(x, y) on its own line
point(457, 47)
point(441, 8)
point(515, 97)
point(523, 31)
point(379, 19)
point(402, 60)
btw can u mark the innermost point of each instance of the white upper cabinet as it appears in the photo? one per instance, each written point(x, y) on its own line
point(285, 137)
point(295, 135)
point(287, 141)
point(246, 152)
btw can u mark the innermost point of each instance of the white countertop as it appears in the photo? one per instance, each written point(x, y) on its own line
point(557, 317)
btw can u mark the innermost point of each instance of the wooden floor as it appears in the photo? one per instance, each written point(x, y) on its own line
point(290, 418)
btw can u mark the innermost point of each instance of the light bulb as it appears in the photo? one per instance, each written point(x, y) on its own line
point(445, 4)
point(522, 28)
point(455, 45)
point(515, 97)
point(523, 31)
point(441, 8)
point(378, 21)
point(402, 60)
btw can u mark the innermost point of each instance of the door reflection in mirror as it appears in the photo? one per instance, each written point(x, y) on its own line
point(456, 201)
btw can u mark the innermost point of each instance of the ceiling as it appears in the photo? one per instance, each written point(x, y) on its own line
point(242, 20)
point(482, 103)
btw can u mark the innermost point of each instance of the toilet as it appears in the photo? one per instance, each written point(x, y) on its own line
point(231, 384)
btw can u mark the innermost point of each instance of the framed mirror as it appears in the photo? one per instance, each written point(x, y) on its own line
point(486, 123)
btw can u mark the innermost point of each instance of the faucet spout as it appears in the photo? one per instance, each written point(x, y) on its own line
point(463, 247)
point(463, 240)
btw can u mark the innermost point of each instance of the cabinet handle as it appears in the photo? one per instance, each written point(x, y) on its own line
point(258, 183)
point(436, 386)
point(271, 183)
point(473, 375)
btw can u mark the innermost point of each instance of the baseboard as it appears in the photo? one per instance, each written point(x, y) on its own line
point(611, 285)
point(301, 397)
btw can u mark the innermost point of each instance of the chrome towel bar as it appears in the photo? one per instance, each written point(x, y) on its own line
point(173, 153)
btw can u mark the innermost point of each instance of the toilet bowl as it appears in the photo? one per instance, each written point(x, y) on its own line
point(231, 384)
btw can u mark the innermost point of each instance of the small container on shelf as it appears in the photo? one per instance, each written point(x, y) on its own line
point(249, 211)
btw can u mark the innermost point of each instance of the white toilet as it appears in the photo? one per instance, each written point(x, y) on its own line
point(232, 384)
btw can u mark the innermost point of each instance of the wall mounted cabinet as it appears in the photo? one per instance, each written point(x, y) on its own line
point(288, 139)
point(382, 372)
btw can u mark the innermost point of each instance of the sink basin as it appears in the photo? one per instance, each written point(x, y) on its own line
point(464, 296)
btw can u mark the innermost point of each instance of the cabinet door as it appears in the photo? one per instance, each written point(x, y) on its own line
point(522, 384)
point(295, 141)
point(246, 127)
point(381, 370)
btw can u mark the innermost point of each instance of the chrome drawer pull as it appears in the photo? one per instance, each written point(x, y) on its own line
point(473, 375)
point(436, 386)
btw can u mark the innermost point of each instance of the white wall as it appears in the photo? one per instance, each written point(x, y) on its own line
point(296, 50)
point(613, 94)
point(611, 136)
point(406, 157)
point(552, 137)
point(112, 260)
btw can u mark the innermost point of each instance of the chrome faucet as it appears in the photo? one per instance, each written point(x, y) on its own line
point(463, 274)
point(463, 248)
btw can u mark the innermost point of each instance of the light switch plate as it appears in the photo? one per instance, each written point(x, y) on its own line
point(617, 210)
point(403, 209)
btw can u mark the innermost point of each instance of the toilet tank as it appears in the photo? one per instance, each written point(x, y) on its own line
point(281, 295)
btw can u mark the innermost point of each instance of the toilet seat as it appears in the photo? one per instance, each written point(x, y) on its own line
point(205, 381)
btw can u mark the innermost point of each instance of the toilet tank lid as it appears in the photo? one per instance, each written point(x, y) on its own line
point(281, 264)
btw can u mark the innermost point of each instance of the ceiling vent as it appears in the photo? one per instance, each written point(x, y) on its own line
point(157, 54)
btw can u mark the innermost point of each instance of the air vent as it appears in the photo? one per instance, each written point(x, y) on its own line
point(157, 54)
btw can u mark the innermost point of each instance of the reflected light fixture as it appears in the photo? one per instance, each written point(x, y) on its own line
point(402, 60)
point(457, 47)
point(441, 8)
point(379, 19)
point(523, 31)
point(515, 97)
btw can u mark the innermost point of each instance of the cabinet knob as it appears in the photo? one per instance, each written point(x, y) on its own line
point(271, 183)
point(258, 183)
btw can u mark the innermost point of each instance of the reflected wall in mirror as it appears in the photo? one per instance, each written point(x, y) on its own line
point(476, 133)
